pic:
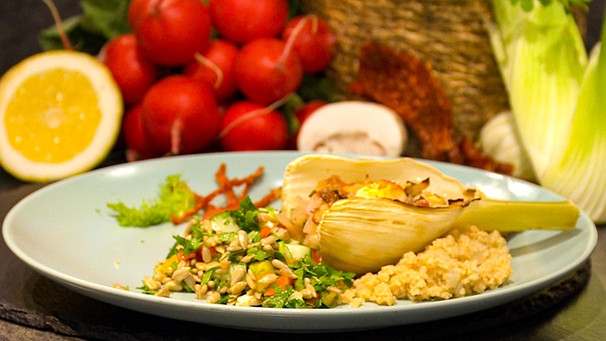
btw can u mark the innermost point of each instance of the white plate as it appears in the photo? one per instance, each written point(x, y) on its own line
point(65, 232)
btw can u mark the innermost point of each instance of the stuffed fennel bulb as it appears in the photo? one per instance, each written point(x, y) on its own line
point(355, 207)
point(557, 96)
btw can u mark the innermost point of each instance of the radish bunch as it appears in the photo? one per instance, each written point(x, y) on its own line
point(189, 90)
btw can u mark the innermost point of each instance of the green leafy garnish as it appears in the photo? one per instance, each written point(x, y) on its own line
point(208, 274)
point(189, 245)
point(246, 217)
point(175, 199)
point(227, 237)
point(321, 277)
point(285, 299)
point(258, 254)
point(100, 21)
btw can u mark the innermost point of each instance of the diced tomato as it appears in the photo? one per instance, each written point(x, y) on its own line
point(315, 256)
point(282, 282)
point(269, 292)
point(185, 257)
point(265, 231)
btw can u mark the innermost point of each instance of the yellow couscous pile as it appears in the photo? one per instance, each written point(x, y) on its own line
point(464, 262)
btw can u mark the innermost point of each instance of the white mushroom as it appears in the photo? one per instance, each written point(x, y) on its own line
point(354, 127)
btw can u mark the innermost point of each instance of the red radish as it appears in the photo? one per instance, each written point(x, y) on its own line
point(314, 41)
point(302, 114)
point(308, 108)
point(267, 71)
point(180, 115)
point(251, 126)
point(171, 32)
point(138, 9)
point(244, 20)
point(216, 66)
point(138, 146)
point(133, 73)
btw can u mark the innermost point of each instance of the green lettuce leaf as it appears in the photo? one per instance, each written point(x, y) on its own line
point(175, 198)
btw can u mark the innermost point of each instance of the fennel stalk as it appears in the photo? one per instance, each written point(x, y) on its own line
point(557, 96)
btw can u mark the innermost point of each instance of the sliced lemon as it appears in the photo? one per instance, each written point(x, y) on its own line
point(60, 115)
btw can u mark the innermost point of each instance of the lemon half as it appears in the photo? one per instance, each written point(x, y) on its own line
point(60, 115)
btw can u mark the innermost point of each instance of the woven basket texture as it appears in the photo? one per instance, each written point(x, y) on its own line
point(448, 34)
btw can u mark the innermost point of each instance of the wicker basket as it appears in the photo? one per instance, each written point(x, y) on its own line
point(449, 34)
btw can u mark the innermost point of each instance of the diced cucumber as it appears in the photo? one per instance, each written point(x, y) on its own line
point(294, 253)
point(223, 222)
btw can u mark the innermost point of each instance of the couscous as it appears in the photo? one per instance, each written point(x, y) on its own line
point(464, 262)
